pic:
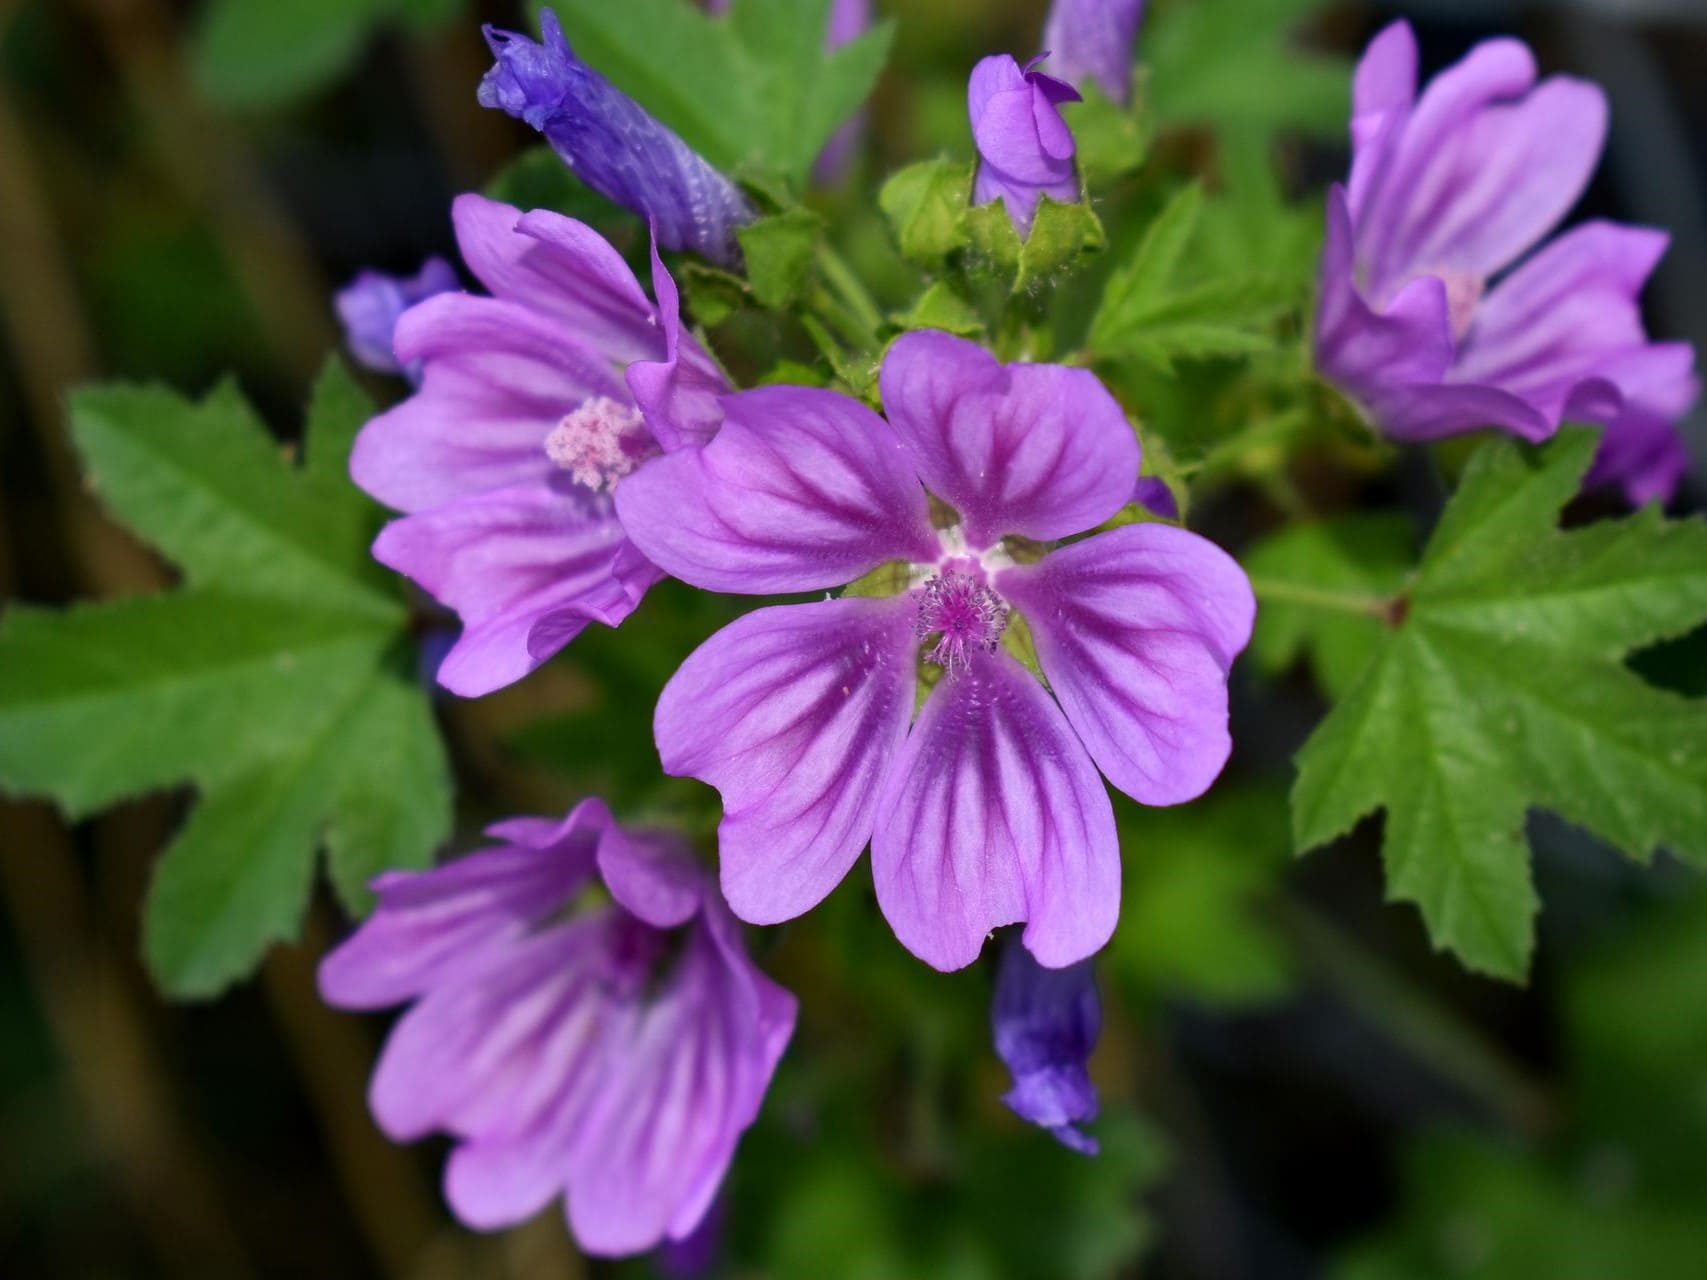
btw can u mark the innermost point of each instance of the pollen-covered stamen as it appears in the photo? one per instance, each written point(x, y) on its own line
point(600, 442)
point(965, 616)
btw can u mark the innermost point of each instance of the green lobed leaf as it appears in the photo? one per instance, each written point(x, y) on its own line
point(278, 680)
point(756, 90)
point(1240, 63)
point(1147, 316)
point(1503, 688)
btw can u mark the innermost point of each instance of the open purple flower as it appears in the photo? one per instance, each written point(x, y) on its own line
point(611, 143)
point(1025, 149)
point(1092, 40)
point(506, 457)
point(1046, 1022)
point(1416, 322)
point(370, 306)
point(612, 1051)
point(987, 810)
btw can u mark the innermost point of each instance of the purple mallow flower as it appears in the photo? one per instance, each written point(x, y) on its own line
point(987, 810)
point(610, 1051)
point(1046, 1022)
point(1091, 40)
point(506, 457)
point(370, 306)
point(1025, 149)
point(610, 143)
point(1416, 322)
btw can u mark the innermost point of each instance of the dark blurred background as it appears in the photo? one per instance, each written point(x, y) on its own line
point(1319, 1093)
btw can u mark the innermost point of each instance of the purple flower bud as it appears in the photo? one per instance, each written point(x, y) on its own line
point(1025, 150)
point(1153, 494)
point(611, 143)
point(371, 304)
point(1091, 40)
point(1046, 1023)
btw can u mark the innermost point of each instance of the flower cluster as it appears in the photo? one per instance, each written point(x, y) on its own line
point(1005, 614)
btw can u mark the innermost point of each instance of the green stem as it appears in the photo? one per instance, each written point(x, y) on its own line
point(1320, 598)
point(851, 291)
point(1433, 1033)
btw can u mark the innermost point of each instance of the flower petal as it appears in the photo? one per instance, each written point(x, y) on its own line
point(1382, 95)
point(494, 1052)
point(651, 874)
point(802, 489)
point(680, 394)
point(1136, 629)
point(1515, 171)
point(1485, 168)
point(1642, 451)
point(430, 925)
point(371, 304)
point(1492, 71)
point(695, 1065)
point(1557, 318)
point(1015, 124)
point(497, 377)
point(526, 568)
point(1093, 40)
point(1367, 353)
point(993, 814)
point(793, 713)
point(562, 269)
point(1041, 450)
point(1392, 363)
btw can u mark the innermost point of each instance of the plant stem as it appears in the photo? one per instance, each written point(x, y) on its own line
point(851, 291)
point(1320, 598)
point(1430, 1031)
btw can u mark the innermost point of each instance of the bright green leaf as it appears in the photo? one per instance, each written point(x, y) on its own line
point(754, 91)
point(1240, 63)
point(261, 53)
point(1061, 233)
point(1503, 688)
point(778, 251)
point(925, 203)
point(277, 681)
point(1146, 316)
point(942, 306)
point(1112, 140)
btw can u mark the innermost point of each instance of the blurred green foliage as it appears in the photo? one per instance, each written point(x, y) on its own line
point(279, 679)
point(1617, 1190)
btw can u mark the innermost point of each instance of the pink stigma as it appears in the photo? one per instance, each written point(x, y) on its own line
point(964, 615)
point(600, 442)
